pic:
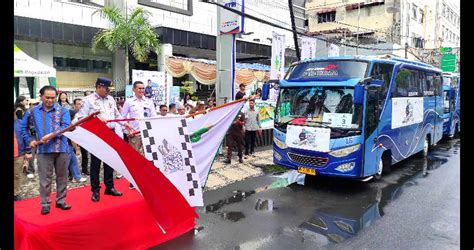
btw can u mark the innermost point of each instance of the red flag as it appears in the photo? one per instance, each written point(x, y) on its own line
point(166, 203)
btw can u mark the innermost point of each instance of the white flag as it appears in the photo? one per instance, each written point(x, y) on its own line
point(333, 50)
point(308, 48)
point(278, 56)
point(207, 133)
point(166, 143)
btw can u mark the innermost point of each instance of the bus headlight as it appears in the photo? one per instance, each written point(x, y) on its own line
point(277, 155)
point(346, 167)
point(279, 143)
point(345, 151)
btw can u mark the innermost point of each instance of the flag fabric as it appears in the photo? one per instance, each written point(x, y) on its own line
point(166, 203)
point(207, 133)
point(166, 143)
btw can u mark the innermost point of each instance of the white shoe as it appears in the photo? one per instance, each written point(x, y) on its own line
point(83, 179)
point(30, 176)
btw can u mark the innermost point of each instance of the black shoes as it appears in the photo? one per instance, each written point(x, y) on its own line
point(44, 210)
point(63, 206)
point(113, 192)
point(131, 186)
point(227, 161)
point(86, 173)
point(241, 161)
point(95, 196)
point(17, 198)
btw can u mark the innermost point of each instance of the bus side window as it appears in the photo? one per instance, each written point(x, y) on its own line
point(428, 88)
point(438, 86)
point(402, 79)
point(383, 71)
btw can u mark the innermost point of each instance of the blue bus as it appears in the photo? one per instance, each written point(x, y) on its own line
point(452, 110)
point(355, 117)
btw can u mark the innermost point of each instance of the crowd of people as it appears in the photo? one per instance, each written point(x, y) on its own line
point(36, 119)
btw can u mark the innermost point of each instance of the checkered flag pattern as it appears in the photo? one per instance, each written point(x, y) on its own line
point(180, 157)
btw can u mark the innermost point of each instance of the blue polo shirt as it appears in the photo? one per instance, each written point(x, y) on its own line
point(47, 122)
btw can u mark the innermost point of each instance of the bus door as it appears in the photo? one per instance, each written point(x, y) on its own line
point(438, 121)
point(372, 151)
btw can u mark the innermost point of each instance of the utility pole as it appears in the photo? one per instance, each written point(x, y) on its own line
point(293, 27)
point(406, 50)
point(358, 24)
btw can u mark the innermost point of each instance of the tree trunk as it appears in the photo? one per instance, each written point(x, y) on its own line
point(127, 68)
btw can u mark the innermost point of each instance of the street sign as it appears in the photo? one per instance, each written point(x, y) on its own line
point(445, 50)
point(448, 63)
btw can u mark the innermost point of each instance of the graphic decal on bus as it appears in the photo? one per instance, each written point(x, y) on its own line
point(406, 111)
point(309, 138)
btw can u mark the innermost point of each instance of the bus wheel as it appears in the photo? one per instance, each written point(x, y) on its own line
point(380, 167)
point(426, 146)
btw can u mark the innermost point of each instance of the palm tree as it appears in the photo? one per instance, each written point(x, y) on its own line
point(133, 33)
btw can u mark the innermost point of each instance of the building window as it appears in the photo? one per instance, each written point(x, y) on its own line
point(414, 9)
point(422, 15)
point(179, 6)
point(81, 65)
point(444, 9)
point(327, 17)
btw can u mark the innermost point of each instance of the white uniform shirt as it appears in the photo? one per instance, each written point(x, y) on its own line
point(138, 108)
point(107, 107)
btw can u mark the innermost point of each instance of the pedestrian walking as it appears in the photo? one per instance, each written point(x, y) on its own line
point(252, 125)
point(235, 138)
point(104, 103)
point(49, 117)
point(21, 152)
point(30, 172)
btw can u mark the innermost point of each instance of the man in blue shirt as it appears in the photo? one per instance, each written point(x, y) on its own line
point(47, 118)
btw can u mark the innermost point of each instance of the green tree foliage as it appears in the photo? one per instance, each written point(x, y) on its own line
point(131, 32)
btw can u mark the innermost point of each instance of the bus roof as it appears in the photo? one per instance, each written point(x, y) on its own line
point(381, 58)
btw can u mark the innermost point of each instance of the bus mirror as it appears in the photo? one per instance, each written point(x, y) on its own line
point(376, 82)
point(359, 94)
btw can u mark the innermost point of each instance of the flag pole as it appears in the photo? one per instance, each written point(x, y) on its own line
point(221, 106)
point(68, 128)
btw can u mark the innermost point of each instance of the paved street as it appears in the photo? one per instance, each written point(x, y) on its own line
point(415, 206)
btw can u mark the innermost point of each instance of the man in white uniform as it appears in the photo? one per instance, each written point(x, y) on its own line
point(139, 107)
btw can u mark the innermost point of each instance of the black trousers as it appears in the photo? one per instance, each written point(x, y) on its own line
point(85, 159)
point(250, 137)
point(95, 171)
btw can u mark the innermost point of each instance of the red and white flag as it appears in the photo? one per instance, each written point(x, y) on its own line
point(166, 203)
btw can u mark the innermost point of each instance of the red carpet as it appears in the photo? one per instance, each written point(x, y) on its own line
point(123, 222)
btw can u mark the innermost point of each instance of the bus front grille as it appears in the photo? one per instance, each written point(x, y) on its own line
point(308, 160)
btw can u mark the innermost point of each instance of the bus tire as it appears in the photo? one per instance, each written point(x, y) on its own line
point(426, 148)
point(383, 167)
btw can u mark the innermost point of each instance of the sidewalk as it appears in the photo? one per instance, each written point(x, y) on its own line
point(221, 174)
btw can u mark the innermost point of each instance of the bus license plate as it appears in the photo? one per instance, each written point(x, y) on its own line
point(309, 171)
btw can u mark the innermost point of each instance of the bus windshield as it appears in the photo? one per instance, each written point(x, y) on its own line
point(328, 106)
point(327, 70)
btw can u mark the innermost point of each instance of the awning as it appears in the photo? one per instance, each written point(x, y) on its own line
point(26, 66)
point(205, 70)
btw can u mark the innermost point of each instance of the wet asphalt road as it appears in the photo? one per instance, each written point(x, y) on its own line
point(415, 206)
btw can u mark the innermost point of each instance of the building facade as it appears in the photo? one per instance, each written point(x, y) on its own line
point(59, 33)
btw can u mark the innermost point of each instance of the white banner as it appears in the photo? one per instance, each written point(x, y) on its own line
point(309, 138)
point(333, 50)
point(231, 23)
point(166, 143)
point(308, 48)
point(406, 111)
point(278, 56)
point(158, 85)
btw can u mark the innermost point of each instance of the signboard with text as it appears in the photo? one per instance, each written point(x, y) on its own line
point(231, 23)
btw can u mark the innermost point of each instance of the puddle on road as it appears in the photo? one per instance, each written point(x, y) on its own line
point(346, 217)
